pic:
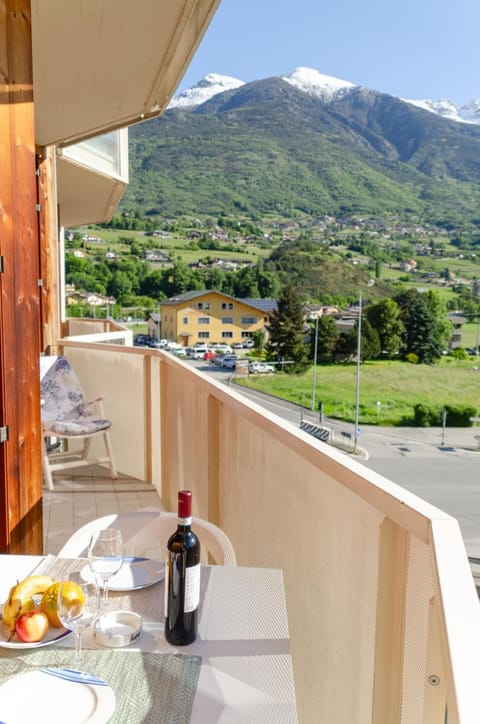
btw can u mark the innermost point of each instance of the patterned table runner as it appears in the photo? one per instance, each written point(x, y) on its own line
point(149, 688)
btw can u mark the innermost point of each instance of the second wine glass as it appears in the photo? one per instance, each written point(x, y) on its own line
point(105, 557)
point(78, 604)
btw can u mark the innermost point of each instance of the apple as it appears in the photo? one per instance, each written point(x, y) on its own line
point(31, 626)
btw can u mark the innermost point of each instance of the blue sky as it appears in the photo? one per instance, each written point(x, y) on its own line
point(410, 48)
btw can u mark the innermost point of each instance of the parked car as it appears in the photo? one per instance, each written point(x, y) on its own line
point(249, 343)
point(229, 361)
point(221, 348)
point(171, 346)
point(218, 359)
point(260, 368)
point(143, 340)
point(209, 355)
point(198, 351)
point(237, 345)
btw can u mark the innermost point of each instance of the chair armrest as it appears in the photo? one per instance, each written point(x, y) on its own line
point(97, 403)
point(93, 402)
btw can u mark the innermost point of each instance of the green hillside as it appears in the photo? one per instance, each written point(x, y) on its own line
point(268, 148)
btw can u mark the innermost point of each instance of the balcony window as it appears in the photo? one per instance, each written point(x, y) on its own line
point(227, 335)
point(203, 305)
point(184, 320)
point(227, 320)
point(107, 153)
point(204, 335)
point(249, 320)
point(227, 305)
point(204, 320)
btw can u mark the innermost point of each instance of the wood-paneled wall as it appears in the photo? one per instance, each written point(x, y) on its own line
point(20, 457)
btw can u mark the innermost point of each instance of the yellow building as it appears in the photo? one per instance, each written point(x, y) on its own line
point(213, 317)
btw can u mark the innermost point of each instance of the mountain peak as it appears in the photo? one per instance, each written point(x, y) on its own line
point(316, 84)
point(325, 87)
point(209, 86)
point(442, 107)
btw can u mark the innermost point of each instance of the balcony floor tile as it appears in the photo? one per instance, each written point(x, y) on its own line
point(87, 493)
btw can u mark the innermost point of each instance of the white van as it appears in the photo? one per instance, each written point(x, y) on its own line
point(199, 351)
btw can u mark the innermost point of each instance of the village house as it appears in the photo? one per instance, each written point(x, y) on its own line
point(213, 317)
point(155, 256)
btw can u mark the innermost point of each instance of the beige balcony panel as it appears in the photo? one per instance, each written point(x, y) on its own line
point(383, 613)
point(104, 64)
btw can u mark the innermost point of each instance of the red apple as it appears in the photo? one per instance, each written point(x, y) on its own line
point(31, 626)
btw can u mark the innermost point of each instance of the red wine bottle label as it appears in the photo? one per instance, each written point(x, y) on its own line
point(192, 588)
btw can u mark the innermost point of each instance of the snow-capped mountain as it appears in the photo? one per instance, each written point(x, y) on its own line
point(210, 86)
point(468, 113)
point(315, 84)
point(471, 111)
point(443, 107)
point(325, 87)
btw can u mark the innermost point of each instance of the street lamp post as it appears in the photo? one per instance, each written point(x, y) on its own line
point(357, 381)
point(314, 383)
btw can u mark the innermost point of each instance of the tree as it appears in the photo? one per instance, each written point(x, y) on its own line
point(384, 316)
point(246, 283)
point(180, 279)
point(286, 341)
point(427, 329)
point(327, 339)
point(120, 286)
point(370, 342)
point(259, 341)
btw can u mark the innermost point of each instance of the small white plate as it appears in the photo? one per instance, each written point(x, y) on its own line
point(49, 698)
point(52, 636)
point(134, 573)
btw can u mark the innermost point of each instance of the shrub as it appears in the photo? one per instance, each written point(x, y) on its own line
point(412, 358)
point(426, 416)
point(423, 416)
point(459, 353)
point(459, 416)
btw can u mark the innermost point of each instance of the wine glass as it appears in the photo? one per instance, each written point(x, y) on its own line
point(78, 605)
point(105, 557)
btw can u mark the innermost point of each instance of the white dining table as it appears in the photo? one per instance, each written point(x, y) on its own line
point(243, 640)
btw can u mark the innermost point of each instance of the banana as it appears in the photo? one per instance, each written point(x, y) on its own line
point(20, 599)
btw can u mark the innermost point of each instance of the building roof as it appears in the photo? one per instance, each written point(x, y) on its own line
point(264, 305)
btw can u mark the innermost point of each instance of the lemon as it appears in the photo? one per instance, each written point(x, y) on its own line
point(72, 594)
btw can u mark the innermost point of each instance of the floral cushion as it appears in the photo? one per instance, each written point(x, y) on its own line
point(64, 408)
point(75, 427)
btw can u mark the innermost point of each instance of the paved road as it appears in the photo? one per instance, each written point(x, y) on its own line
point(442, 468)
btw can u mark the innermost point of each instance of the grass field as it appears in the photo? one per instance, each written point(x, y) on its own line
point(388, 390)
point(177, 247)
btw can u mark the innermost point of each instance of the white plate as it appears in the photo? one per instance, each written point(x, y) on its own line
point(52, 636)
point(43, 698)
point(134, 573)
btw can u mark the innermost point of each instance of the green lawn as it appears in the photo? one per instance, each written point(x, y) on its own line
point(397, 386)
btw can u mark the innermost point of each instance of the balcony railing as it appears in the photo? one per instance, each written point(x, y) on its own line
point(383, 613)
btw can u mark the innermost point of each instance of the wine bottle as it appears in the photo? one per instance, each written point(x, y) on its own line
point(182, 577)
